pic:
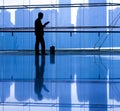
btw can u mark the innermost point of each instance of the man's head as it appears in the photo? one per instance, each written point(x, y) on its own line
point(40, 15)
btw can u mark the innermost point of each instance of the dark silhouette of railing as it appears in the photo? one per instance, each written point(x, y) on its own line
point(30, 6)
point(83, 29)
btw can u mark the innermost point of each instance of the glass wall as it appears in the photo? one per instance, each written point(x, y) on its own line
point(73, 23)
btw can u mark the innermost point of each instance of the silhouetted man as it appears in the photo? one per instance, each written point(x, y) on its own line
point(39, 32)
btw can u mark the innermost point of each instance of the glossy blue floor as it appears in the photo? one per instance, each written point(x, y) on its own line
point(66, 81)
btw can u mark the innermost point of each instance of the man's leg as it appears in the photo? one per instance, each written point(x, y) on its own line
point(37, 45)
point(42, 45)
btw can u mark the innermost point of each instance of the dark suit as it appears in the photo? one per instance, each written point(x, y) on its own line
point(39, 32)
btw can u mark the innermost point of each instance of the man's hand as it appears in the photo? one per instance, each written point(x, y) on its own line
point(46, 23)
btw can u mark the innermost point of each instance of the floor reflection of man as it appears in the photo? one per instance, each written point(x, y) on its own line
point(39, 76)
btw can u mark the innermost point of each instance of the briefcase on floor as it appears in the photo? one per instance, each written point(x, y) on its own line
point(52, 49)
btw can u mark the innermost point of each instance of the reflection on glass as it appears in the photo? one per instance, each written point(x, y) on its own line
point(39, 79)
